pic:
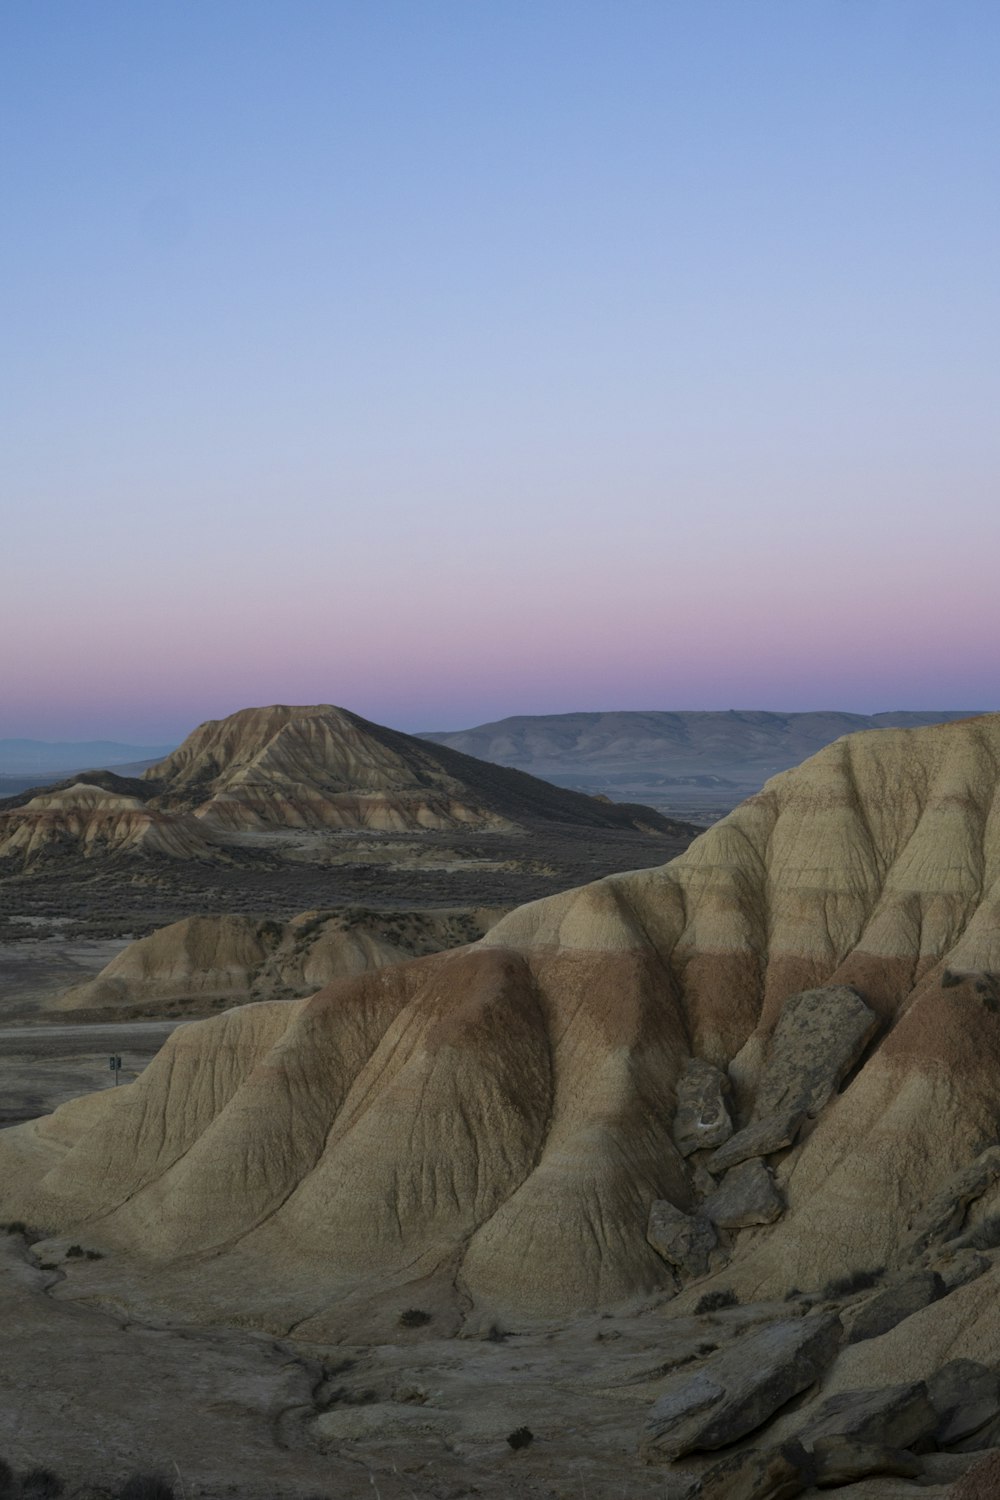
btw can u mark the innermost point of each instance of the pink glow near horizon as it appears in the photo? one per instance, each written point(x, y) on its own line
point(457, 362)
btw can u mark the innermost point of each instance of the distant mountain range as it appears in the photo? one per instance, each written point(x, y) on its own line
point(690, 764)
point(30, 763)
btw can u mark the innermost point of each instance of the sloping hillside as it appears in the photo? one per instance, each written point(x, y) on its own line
point(768, 1071)
point(283, 769)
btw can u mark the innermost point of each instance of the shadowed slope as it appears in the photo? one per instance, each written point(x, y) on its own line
point(492, 1124)
point(277, 769)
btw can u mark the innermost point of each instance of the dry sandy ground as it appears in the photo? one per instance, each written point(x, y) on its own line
point(41, 1064)
point(96, 1396)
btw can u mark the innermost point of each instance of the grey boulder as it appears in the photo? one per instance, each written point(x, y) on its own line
point(762, 1138)
point(739, 1388)
point(685, 1241)
point(820, 1035)
point(745, 1196)
point(702, 1118)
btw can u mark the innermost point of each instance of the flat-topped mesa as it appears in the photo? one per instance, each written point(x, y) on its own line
point(494, 1122)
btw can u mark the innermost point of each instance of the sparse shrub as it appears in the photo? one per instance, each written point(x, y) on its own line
point(94, 1254)
point(521, 1437)
point(496, 1334)
point(713, 1301)
point(75, 1252)
point(146, 1487)
point(704, 1349)
point(853, 1281)
point(414, 1317)
point(40, 1484)
point(16, 1226)
point(792, 1294)
point(949, 979)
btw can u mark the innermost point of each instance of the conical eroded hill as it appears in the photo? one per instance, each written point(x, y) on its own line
point(266, 770)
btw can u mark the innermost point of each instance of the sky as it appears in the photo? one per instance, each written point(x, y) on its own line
point(450, 360)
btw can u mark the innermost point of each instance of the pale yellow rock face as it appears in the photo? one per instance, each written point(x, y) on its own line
point(240, 959)
point(313, 767)
point(488, 1127)
point(97, 822)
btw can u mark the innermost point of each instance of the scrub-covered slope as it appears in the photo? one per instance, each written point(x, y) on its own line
point(491, 1127)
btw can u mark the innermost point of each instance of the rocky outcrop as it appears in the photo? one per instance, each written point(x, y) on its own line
point(746, 1196)
point(687, 1242)
point(819, 1037)
point(898, 1301)
point(200, 962)
point(702, 1118)
point(737, 1390)
point(896, 1416)
point(92, 821)
point(762, 1138)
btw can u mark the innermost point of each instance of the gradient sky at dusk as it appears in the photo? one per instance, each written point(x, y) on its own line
point(453, 360)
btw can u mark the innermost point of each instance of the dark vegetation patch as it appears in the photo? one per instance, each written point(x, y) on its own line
point(853, 1281)
point(715, 1301)
point(521, 1437)
point(131, 895)
point(414, 1317)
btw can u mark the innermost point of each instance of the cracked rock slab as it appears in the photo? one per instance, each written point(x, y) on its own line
point(762, 1138)
point(685, 1241)
point(776, 1474)
point(894, 1416)
point(820, 1035)
point(898, 1302)
point(739, 1388)
point(965, 1395)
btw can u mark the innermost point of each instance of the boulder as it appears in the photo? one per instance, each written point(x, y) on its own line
point(739, 1388)
point(819, 1037)
point(685, 1241)
point(895, 1416)
point(746, 1195)
point(762, 1138)
point(966, 1396)
point(958, 1267)
point(896, 1302)
point(944, 1214)
point(842, 1460)
point(775, 1474)
point(702, 1118)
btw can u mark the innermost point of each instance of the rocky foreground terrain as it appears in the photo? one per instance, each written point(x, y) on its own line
point(686, 1182)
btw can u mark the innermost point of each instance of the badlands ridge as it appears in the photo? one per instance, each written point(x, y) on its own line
point(767, 1070)
point(270, 770)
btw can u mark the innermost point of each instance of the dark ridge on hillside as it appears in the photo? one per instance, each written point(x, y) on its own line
point(518, 795)
point(108, 781)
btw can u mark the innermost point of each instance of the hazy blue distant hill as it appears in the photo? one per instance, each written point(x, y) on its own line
point(43, 758)
point(691, 764)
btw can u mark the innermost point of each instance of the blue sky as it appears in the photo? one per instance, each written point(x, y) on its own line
point(454, 360)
